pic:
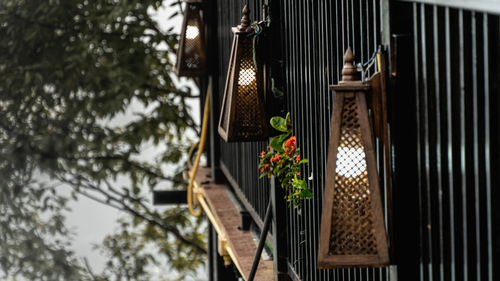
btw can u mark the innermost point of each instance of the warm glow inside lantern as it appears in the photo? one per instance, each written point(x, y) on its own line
point(191, 55)
point(352, 224)
point(243, 116)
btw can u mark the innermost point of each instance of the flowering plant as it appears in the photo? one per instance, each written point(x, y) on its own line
point(282, 160)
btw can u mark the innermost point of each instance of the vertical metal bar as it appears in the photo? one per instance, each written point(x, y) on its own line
point(475, 121)
point(348, 24)
point(297, 90)
point(375, 31)
point(336, 44)
point(425, 107)
point(369, 34)
point(315, 115)
point(300, 121)
point(293, 81)
point(437, 95)
point(211, 253)
point(487, 151)
point(307, 132)
point(361, 28)
point(463, 162)
point(385, 22)
point(416, 39)
point(323, 43)
point(353, 28)
point(287, 16)
point(262, 242)
point(449, 154)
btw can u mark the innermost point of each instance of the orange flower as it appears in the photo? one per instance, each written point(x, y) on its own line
point(290, 144)
point(265, 168)
point(262, 154)
point(276, 157)
point(298, 173)
point(297, 158)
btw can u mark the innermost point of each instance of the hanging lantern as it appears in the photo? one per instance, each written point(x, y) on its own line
point(191, 55)
point(243, 117)
point(352, 224)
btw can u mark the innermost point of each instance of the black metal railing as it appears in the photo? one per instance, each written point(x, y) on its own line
point(317, 33)
point(443, 120)
point(455, 74)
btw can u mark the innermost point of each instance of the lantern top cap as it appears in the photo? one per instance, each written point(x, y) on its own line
point(349, 70)
point(245, 21)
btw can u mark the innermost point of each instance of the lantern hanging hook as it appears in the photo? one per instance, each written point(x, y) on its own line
point(364, 67)
point(258, 28)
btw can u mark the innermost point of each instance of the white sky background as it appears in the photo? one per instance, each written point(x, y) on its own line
point(91, 221)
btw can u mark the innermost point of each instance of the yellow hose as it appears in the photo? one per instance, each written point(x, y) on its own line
point(201, 143)
point(190, 154)
point(379, 65)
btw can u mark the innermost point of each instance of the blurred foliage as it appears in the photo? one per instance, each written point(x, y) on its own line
point(68, 68)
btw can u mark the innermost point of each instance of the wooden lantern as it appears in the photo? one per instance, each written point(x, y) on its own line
point(243, 117)
point(191, 55)
point(352, 222)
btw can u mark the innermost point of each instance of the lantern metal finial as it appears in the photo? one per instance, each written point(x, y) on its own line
point(245, 20)
point(349, 70)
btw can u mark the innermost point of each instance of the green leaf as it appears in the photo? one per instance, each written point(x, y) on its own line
point(277, 143)
point(279, 123)
point(306, 193)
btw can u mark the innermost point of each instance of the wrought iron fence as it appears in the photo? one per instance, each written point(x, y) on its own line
point(444, 123)
point(455, 75)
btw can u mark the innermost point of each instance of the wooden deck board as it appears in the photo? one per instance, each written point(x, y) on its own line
point(228, 219)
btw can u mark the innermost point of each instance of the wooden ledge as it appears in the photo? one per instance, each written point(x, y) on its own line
point(225, 218)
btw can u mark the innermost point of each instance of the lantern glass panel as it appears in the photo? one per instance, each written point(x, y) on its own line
point(192, 47)
point(352, 218)
point(351, 155)
point(192, 32)
point(248, 102)
point(191, 54)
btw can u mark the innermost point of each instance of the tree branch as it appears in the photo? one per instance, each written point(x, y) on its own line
point(121, 205)
point(89, 269)
point(125, 159)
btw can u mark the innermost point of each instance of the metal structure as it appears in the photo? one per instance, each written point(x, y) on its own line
point(454, 70)
point(438, 181)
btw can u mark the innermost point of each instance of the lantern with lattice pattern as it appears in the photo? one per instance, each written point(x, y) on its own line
point(191, 55)
point(352, 223)
point(242, 116)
